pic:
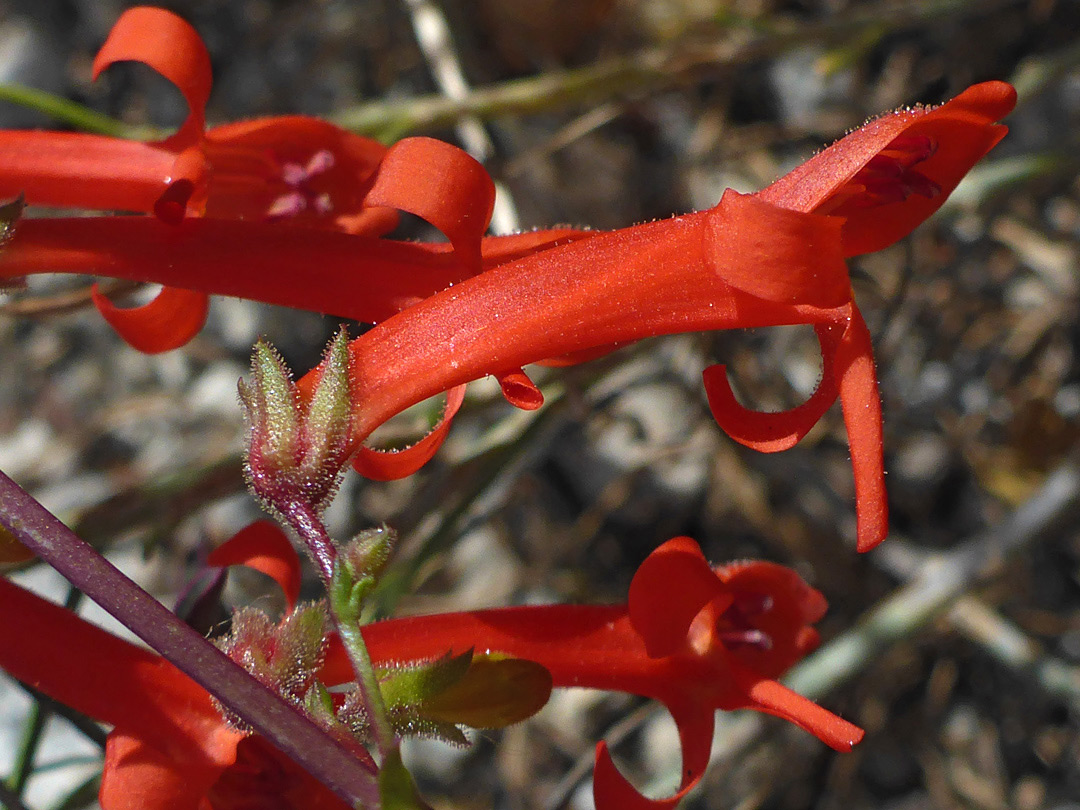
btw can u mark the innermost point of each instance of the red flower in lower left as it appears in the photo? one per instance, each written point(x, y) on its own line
point(171, 749)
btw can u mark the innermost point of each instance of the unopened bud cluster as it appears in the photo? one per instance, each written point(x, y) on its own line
point(297, 450)
point(285, 656)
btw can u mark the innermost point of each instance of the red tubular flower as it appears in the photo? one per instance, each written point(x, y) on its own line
point(754, 260)
point(295, 168)
point(170, 748)
point(695, 638)
point(773, 258)
point(271, 167)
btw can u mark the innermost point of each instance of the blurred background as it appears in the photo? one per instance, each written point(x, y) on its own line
point(956, 645)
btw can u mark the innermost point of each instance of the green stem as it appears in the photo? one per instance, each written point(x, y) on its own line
point(353, 640)
point(650, 69)
point(306, 522)
point(76, 115)
point(24, 759)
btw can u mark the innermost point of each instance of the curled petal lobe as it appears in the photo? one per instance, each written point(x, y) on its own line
point(264, 547)
point(519, 390)
point(803, 261)
point(669, 589)
point(173, 318)
point(848, 372)
point(772, 432)
point(390, 465)
point(612, 791)
point(441, 184)
point(168, 44)
point(862, 418)
point(186, 186)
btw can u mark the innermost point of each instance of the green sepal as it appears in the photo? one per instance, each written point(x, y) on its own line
point(368, 552)
point(496, 691)
point(277, 420)
point(300, 647)
point(413, 684)
point(326, 426)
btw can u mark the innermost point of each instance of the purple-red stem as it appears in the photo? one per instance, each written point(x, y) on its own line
point(266, 712)
point(306, 522)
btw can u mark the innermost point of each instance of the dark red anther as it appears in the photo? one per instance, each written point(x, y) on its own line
point(889, 176)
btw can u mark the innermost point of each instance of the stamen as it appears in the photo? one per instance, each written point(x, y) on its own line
point(287, 205)
point(888, 177)
point(320, 162)
point(293, 174)
point(303, 198)
point(753, 638)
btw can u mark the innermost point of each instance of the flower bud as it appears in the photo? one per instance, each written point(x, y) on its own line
point(297, 450)
point(285, 656)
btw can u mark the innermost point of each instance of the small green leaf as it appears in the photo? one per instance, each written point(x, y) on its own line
point(496, 691)
point(413, 684)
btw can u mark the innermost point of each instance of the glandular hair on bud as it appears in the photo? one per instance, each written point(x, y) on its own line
point(368, 552)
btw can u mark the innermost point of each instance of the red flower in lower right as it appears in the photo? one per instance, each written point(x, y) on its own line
point(694, 637)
